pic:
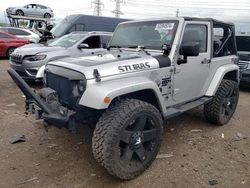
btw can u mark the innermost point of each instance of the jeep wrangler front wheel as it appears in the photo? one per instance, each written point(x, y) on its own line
point(127, 138)
point(222, 107)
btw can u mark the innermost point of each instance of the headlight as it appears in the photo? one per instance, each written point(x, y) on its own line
point(78, 87)
point(35, 57)
point(81, 86)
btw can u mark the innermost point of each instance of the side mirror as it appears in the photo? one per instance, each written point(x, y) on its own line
point(82, 46)
point(190, 49)
point(166, 49)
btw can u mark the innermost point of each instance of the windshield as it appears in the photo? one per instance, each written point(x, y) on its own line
point(150, 34)
point(67, 40)
point(59, 29)
point(243, 43)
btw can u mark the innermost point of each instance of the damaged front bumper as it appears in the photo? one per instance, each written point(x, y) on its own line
point(45, 105)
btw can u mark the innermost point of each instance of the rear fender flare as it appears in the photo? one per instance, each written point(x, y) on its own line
point(219, 75)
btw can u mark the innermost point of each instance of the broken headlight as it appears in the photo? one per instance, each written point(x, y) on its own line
point(78, 88)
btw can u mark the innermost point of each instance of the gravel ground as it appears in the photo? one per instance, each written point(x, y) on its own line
point(193, 152)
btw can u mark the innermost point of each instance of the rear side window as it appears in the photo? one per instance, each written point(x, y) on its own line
point(79, 27)
point(243, 43)
point(3, 36)
point(105, 40)
point(93, 42)
point(223, 40)
point(41, 6)
point(4, 30)
point(18, 32)
point(196, 33)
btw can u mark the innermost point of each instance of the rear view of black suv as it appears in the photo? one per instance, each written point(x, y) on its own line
point(243, 46)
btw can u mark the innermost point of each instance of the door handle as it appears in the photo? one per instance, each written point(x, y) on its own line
point(205, 61)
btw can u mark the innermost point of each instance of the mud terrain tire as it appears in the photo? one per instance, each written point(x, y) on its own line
point(220, 110)
point(127, 138)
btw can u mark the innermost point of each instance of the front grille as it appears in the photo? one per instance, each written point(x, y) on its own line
point(16, 58)
point(61, 85)
point(243, 65)
point(22, 74)
point(66, 83)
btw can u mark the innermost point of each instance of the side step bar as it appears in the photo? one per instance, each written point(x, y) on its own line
point(175, 111)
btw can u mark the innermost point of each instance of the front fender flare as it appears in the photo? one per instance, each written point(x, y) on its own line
point(219, 75)
point(95, 94)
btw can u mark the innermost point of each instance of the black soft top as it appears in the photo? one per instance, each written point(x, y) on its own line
point(209, 20)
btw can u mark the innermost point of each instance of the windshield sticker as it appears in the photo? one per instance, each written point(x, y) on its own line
point(164, 26)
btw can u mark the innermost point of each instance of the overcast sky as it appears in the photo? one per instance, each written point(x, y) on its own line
point(229, 10)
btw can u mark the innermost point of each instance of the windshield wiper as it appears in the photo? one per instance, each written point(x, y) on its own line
point(140, 48)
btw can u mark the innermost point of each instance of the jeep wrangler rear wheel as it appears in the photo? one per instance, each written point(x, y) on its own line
point(222, 107)
point(127, 138)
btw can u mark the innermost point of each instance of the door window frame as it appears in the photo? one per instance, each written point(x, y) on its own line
point(207, 33)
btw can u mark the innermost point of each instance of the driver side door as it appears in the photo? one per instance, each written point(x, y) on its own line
point(190, 78)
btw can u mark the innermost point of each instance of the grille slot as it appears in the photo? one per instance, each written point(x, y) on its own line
point(65, 82)
point(61, 85)
point(243, 64)
point(16, 58)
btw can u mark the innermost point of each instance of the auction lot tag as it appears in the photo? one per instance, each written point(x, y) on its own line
point(164, 26)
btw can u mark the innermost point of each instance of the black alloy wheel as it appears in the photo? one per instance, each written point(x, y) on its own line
point(127, 138)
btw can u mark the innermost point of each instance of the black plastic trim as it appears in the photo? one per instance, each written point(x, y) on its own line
point(164, 61)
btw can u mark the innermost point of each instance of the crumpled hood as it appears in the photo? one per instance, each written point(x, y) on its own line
point(108, 63)
point(32, 49)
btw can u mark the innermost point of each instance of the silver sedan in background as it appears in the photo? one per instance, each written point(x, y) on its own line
point(29, 61)
point(31, 10)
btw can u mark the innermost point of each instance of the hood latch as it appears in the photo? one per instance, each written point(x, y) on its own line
point(96, 75)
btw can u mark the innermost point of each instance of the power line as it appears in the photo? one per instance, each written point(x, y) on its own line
point(98, 7)
point(117, 10)
point(221, 6)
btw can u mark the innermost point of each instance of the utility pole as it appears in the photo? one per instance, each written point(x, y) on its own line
point(117, 10)
point(98, 5)
point(177, 12)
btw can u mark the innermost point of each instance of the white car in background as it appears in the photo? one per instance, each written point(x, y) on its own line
point(22, 33)
point(31, 10)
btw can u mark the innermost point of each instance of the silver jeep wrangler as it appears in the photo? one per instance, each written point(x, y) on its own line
point(153, 70)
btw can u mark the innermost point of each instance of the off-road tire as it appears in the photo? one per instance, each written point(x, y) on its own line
point(110, 127)
point(19, 12)
point(10, 51)
point(214, 111)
